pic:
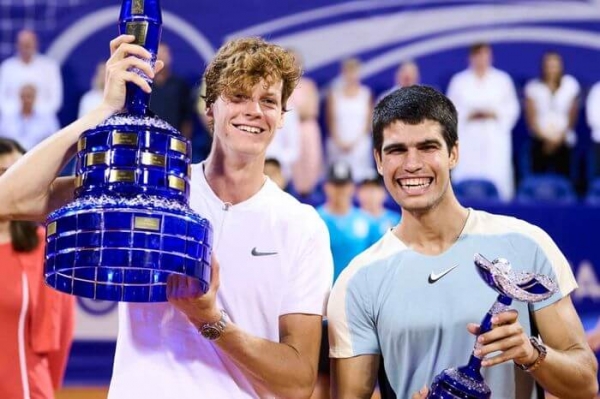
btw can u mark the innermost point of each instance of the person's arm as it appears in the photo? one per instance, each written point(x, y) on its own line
point(507, 108)
point(370, 107)
point(569, 369)
point(29, 190)
point(330, 118)
point(593, 107)
point(354, 377)
point(531, 118)
point(285, 369)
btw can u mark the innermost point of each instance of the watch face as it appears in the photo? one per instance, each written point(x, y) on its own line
point(210, 332)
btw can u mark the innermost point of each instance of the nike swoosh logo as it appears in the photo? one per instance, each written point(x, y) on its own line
point(258, 253)
point(433, 277)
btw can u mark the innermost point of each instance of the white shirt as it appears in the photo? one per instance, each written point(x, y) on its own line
point(593, 112)
point(553, 109)
point(485, 146)
point(160, 354)
point(28, 131)
point(42, 72)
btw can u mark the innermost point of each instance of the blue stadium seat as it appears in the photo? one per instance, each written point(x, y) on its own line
point(546, 188)
point(479, 190)
point(593, 194)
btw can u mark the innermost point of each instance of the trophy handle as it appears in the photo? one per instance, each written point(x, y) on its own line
point(502, 304)
point(142, 19)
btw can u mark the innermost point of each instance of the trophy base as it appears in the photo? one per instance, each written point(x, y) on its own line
point(455, 384)
point(124, 249)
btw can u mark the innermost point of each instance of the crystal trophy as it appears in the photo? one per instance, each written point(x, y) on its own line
point(130, 225)
point(466, 382)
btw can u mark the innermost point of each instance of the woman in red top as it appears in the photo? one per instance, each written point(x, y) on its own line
point(37, 322)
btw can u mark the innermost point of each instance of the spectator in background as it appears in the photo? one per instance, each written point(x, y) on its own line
point(28, 125)
point(348, 120)
point(92, 98)
point(30, 67)
point(407, 74)
point(307, 170)
point(351, 230)
point(37, 322)
point(273, 172)
point(488, 110)
point(285, 146)
point(171, 97)
point(593, 120)
point(371, 197)
point(551, 105)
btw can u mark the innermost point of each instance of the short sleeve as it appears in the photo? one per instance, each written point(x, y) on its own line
point(352, 329)
point(550, 261)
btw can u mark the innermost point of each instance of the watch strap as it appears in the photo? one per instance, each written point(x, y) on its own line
point(541, 348)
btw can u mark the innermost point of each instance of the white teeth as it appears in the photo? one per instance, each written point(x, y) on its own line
point(415, 182)
point(249, 129)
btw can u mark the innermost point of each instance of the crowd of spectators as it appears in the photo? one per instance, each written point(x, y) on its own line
point(492, 167)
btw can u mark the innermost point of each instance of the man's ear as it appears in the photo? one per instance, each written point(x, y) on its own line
point(454, 156)
point(378, 161)
point(281, 120)
point(208, 112)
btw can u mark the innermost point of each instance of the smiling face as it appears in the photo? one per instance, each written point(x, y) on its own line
point(415, 163)
point(244, 123)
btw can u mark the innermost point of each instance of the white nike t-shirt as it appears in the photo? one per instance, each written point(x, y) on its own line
point(275, 260)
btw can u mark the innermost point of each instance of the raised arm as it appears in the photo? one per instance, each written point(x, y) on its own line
point(354, 377)
point(30, 189)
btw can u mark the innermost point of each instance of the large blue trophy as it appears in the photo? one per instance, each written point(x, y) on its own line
point(466, 382)
point(130, 225)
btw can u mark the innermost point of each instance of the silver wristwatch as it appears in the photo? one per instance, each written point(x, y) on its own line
point(213, 331)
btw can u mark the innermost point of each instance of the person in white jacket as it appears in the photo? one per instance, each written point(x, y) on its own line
point(488, 110)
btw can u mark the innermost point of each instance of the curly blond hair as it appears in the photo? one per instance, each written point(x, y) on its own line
point(241, 63)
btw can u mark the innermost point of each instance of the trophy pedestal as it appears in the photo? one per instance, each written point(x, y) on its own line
point(459, 383)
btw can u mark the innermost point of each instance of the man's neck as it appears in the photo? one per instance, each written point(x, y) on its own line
point(433, 231)
point(232, 181)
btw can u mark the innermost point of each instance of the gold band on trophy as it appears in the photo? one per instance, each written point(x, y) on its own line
point(146, 223)
point(125, 138)
point(51, 229)
point(139, 29)
point(177, 183)
point(178, 145)
point(81, 144)
point(151, 159)
point(96, 158)
point(137, 7)
point(78, 181)
point(121, 176)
